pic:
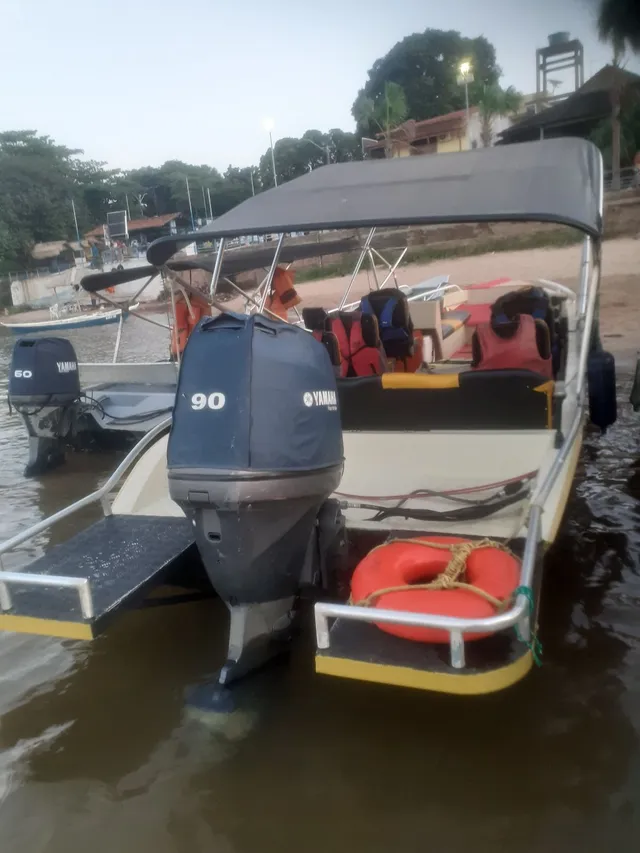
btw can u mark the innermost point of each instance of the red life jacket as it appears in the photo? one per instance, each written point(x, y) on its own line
point(519, 352)
point(358, 359)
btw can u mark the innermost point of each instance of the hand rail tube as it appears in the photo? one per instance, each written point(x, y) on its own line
point(57, 581)
point(94, 497)
point(457, 627)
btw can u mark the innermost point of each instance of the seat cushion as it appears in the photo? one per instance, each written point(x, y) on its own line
point(453, 320)
point(472, 400)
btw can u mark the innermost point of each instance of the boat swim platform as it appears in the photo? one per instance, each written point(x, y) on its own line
point(123, 558)
point(364, 652)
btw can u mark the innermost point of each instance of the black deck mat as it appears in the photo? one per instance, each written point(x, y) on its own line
point(122, 556)
point(367, 643)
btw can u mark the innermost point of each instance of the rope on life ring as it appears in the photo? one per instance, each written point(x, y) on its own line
point(449, 577)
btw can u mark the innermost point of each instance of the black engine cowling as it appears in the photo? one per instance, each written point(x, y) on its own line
point(255, 449)
point(44, 372)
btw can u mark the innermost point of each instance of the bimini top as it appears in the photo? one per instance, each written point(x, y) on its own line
point(557, 180)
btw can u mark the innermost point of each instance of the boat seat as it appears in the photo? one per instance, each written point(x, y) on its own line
point(330, 343)
point(507, 330)
point(390, 307)
point(471, 400)
point(315, 319)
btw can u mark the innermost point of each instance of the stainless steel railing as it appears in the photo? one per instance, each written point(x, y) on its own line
point(518, 615)
point(101, 495)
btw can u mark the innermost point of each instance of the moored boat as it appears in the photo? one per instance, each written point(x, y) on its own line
point(407, 458)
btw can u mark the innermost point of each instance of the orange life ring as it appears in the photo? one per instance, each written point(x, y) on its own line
point(403, 563)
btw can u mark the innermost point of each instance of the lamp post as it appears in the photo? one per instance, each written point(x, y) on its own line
point(268, 126)
point(325, 148)
point(464, 78)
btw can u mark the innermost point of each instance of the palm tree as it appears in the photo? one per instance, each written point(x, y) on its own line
point(618, 24)
point(495, 102)
point(386, 112)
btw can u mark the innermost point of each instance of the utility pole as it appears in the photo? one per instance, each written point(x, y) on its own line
point(204, 201)
point(273, 161)
point(193, 224)
point(464, 78)
point(210, 208)
point(126, 198)
point(253, 189)
point(75, 219)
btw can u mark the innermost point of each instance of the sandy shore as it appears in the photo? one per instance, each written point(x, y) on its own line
point(620, 284)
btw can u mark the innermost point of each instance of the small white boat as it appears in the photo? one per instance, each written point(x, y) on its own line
point(73, 321)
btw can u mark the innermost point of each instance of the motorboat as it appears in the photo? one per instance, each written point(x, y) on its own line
point(72, 321)
point(69, 405)
point(404, 461)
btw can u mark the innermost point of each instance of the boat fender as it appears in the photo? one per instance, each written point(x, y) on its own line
point(601, 375)
point(634, 397)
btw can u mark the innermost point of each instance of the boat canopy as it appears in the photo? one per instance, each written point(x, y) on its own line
point(556, 180)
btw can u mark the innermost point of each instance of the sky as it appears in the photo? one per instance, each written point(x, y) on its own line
point(135, 82)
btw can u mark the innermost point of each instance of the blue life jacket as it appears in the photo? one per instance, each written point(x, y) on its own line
point(540, 310)
point(388, 332)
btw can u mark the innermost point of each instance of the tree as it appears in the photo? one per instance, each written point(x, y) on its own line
point(38, 180)
point(426, 65)
point(384, 113)
point(602, 136)
point(618, 24)
point(494, 102)
point(344, 146)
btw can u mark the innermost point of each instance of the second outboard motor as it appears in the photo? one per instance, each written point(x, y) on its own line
point(255, 449)
point(601, 375)
point(43, 383)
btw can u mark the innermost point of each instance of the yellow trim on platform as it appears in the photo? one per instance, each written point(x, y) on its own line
point(46, 627)
point(395, 381)
point(418, 679)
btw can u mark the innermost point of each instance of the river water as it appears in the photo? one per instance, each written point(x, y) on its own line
point(96, 752)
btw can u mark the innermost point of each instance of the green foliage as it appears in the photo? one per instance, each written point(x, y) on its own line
point(294, 157)
point(495, 101)
point(38, 179)
point(602, 136)
point(426, 66)
point(619, 24)
point(382, 113)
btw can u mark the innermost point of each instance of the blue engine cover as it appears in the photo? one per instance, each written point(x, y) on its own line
point(44, 371)
point(254, 395)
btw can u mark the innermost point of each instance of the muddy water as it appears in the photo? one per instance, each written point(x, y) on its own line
point(97, 754)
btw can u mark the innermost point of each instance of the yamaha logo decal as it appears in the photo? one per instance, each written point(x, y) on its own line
point(320, 398)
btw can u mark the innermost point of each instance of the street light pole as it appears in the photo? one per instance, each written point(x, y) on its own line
point(273, 161)
point(325, 148)
point(193, 224)
point(465, 77)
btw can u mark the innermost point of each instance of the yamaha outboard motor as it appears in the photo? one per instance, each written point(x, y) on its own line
point(43, 383)
point(254, 451)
